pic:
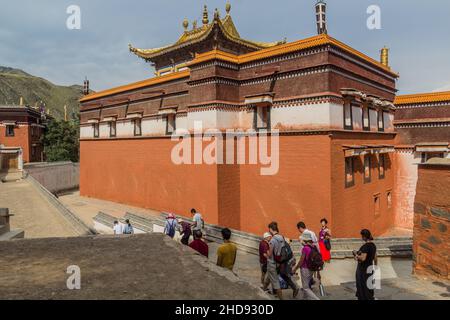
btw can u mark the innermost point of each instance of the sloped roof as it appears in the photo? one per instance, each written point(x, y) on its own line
point(423, 98)
point(199, 34)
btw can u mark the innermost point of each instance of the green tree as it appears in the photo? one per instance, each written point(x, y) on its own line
point(61, 140)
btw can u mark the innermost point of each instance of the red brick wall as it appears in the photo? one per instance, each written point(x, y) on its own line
point(432, 221)
point(22, 136)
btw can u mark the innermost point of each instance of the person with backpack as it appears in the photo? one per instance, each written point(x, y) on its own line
point(198, 220)
point(128, 229)
point(279, 256)
point(171, 225)
point(310, 262)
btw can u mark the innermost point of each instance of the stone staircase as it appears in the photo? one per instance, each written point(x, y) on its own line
point(247, 242)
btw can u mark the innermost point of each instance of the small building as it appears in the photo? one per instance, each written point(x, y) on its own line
point(21, 129)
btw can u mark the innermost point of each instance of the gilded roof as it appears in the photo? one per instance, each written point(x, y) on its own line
point(423, 98)
point(198, 34)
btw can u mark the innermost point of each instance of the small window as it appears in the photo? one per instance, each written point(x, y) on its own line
point(348, 116)
point(367, 168)
point(137, 127)
point(366, 118)
point(376, 204)
point(262, 118)
point(389, 199)
point(96, 130)
point(380, 120)
point(429, 155)
point(170, 124)
point(381, 166)
point(349, 172)
point(112, 128)
point(10, 130)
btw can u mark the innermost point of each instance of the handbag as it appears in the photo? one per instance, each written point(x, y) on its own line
point(327, 244)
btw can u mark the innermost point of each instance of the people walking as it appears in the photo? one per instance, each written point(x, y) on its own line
point(367, 259)
point(198, 244)
point(128, 229)
point(278, 255)
point(117, 228)
point(171, 225)
point(263, 251)
point(226, 253)
point(185, 231)
point(198, 220)
point(306, 266)
point(301, 226)
point(325, 240)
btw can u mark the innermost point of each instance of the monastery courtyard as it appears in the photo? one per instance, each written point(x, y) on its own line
point(338, 276)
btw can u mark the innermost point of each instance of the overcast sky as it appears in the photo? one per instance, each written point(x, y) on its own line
point(34, 36)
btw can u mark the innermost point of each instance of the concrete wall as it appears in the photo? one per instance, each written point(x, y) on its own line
point(57, 176)
point(432, 221)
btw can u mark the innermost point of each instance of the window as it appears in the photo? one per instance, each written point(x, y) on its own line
point(112, 128)
point(170, 124)
point(366, 118)
point(380, 120)
point(348, 117)
point(262, 118)
point(367, 167)
point(137, 127)
point(429, 155)
point(381, 166)
point(389, 199)
point(349, 172)
point(10, 130)
point(96, 130)
point(376, 204)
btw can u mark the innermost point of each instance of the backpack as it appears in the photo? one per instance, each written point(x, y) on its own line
point(171, 230)
point(314, 260)
point(285, 253)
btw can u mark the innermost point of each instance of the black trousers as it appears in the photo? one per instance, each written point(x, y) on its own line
point(362, 291)
point(285, 273)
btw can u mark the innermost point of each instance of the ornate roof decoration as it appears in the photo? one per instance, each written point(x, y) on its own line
point(198, 34)
point(423, 98)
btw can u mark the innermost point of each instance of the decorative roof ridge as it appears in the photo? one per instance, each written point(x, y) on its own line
point(427, 97)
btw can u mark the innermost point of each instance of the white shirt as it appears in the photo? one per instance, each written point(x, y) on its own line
point(314, 238)
point(198, 219)
point(117, 228)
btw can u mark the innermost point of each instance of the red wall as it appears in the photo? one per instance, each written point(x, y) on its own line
point(21, 138)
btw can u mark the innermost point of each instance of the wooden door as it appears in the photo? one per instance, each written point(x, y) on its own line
point(10, 161)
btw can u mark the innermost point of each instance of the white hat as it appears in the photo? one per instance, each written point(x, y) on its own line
point(266, 235)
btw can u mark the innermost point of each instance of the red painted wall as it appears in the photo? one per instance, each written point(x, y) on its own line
point(21, 138)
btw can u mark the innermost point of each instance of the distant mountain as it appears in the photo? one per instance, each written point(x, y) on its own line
point(15, 83)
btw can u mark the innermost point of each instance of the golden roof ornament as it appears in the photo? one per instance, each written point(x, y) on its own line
point(194, 25)
point(185, 24)
point(228, 7)
point(205, 15)
point(216, 14)
point(384, 56)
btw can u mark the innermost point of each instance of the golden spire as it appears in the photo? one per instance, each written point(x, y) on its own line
point(185, 24)
point(194, 25)
point(205, 15)
point(228, 7)
point(65, 113)
point(216, 14)
point(384, 56)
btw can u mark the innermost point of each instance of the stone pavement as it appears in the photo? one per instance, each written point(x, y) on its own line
point(33, 213)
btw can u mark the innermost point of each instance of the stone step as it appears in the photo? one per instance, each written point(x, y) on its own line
point(13, 234)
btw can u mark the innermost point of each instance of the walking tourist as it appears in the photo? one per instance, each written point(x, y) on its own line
point(301, 226)
point(325, 240)
point(279, 254)
point(185, 231)
point(198, 220)
point(171, 225)
point(117, 228)
point(367, 258)
point(263, 251)
point(198, 244)
point(308, 265)
point(226, 253)
point(128, 229)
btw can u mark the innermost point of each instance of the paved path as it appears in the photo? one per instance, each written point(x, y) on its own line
point(33, 212)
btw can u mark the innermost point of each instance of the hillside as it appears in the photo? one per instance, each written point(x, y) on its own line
point(15, 83)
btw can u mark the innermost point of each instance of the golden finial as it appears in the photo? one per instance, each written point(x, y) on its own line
point(228, 7)
point(205, 15)
point(185, 24)
point(384, 57)
point(216, 14)
point(194, 24)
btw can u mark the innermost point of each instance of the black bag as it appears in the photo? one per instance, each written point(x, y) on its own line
point(327, 244)
point(315, 261)
point(285, 253)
